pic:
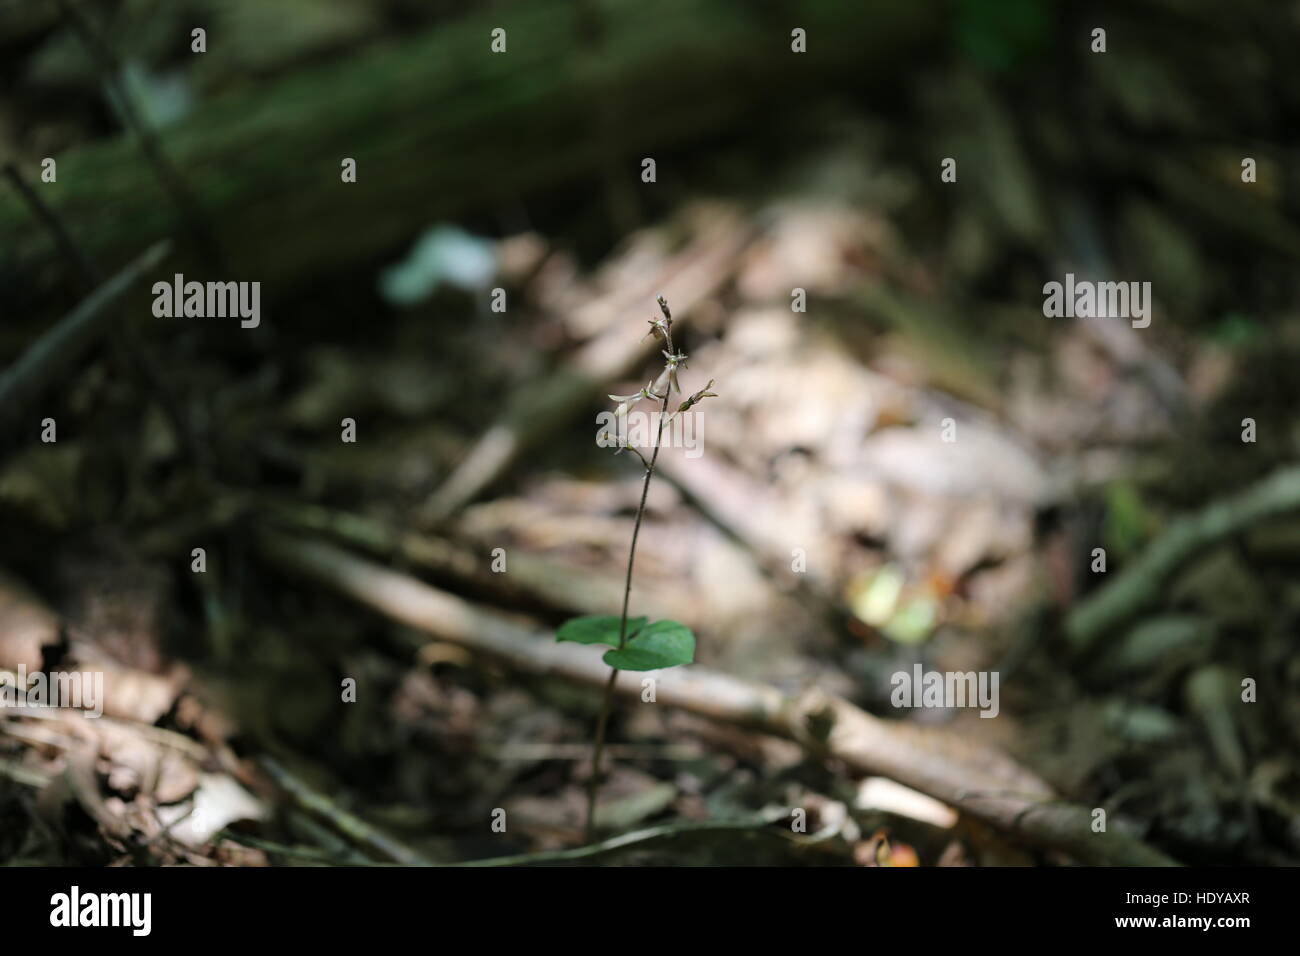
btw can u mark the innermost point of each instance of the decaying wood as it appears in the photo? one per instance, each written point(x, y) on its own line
point(532, 576)
point(982, 783)
point(439, 124)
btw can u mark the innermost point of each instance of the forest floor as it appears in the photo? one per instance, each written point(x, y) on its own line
point(909, 469)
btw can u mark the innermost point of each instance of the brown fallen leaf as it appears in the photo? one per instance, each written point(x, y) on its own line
point(26, 625)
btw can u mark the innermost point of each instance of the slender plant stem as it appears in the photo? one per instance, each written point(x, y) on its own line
point(593, 783)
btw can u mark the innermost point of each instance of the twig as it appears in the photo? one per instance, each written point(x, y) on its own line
point(283, 849)
point(58, 348)
point(135, 349)
point(532, 753)
point(1140, 585)
point(533, 578)
point(975, 780)
point(347, 823)
point(760, 825)
point(52, 222)
point(27, 777)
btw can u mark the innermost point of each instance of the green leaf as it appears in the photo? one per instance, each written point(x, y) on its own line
point(662, 644)
point(913, 622)
point(597, 629)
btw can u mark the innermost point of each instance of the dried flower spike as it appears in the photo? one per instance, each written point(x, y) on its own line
point(634, 645)
point(657, 325)
point(663, 307)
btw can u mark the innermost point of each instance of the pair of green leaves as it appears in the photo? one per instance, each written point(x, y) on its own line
point(649, 647)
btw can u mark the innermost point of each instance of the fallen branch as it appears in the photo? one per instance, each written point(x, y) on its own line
point(1140, 585)
point(665, 74)
point(62, 345)
point(980, 782)
point(347, 823)
point(534, 578)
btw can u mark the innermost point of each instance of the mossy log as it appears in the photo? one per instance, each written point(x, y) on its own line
point(439, 124)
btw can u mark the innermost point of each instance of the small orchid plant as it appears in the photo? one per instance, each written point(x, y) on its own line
point(637, 644)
